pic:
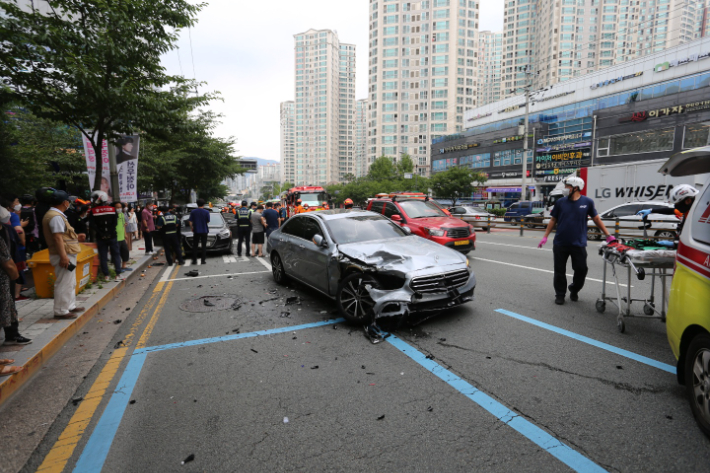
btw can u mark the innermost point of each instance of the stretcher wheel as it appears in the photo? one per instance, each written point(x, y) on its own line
point(621, 326)
point(648, 308)
point(601, 306)
point(641, 274)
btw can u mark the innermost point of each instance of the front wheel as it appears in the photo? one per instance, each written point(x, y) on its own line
point(353, 298)
point(697, 380)
point(277, 269)
point(667, 234)
point(593, 234)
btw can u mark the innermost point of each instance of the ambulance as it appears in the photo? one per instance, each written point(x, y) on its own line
point(688, 319)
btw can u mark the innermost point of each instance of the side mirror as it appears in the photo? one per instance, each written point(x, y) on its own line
point(396, 218)
point(319, 240)
point(407, 230)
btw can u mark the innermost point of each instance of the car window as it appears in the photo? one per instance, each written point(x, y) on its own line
point(294, 226)
point(216, 221)
point(700, 218)
point(391, 209)
point(358, 228)
point(377, 207)
point(514, 206)
point(626, 210)
point(311, 228)
point(654, 206)
point(458, 210)
point(420, 208)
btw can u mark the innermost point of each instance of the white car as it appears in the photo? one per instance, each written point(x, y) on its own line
point(476, 216)
point(658, 225)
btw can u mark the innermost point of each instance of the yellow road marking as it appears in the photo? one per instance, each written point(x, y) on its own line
point(64, 447)
point(154, 319)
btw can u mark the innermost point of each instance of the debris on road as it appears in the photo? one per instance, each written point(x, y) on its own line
point(285, 420)
point(207, 303)
point(284, 315)
point(381, 417)
point(314, 367)
point(293, 300)
point(77, 400)
point(374, 333)
point(254, 350)
point(192, 273)
point(118, 321)
point(132, 401)
point(190, 458)
point(429, 408)
point(119, 344)
point(430, 356)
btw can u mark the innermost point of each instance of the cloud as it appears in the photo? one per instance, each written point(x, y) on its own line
point(245, 50)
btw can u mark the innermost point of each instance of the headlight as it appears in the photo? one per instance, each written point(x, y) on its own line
point(224, 234)
point(434, 232)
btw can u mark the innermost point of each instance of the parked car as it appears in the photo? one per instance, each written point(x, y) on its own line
point(219, 238)
point(428, 220)
point(688, 318)
point(660, 225)
point(517, 211)
point(476, 216)
point(369, 265)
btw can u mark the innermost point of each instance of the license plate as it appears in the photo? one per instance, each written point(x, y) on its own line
point(462, 242)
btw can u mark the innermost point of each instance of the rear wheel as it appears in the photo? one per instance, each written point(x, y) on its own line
point(513, 221)
point(594, 234)
point(697, 380)
point(353, 298)
point(277, 269)
point(669, 234)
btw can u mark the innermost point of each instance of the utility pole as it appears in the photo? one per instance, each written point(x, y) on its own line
point(524, 188)
point(113, 168)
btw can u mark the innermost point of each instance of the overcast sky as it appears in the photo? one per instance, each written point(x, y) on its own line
point(244, 50)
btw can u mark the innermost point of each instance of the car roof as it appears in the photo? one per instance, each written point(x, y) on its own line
point(336, 214)
point(646, 202)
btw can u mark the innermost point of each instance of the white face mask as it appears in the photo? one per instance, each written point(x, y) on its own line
point(17, 208)
point(565, 192)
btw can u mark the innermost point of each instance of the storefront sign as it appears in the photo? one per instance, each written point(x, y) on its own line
point(561, 160)
point(664, 112)
point(573, 136)
point(508, 138)
point(556, 171)
point(614, 81)
point(664, 66)
point(511, 108)
point(449, 149)
point(507, 174)
point(556, 96)
point(564, 147)
point(480, 115)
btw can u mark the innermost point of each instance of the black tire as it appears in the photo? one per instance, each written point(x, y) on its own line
point(601, 306)
point(530, 223)
point(594, 234)
point(669, 234)
point(465, 252)
point(697, 371)
point(648, 309)
point(513, 221)
point(354, 302)
point(277, 269)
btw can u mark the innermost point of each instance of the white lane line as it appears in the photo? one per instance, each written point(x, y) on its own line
point(229, 259)
point(187, 263)
point(243, 259)
point(512, 246)
point(166, 274)
point(266, 265)
point(536, 269)
point(218, 275)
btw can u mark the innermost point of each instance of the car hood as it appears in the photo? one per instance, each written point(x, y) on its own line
point(438, 222)
point(406, 254)
point(186, 231)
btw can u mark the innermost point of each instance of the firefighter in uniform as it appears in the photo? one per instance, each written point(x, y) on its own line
point(243, 227)
point(299, 208)
point(168, 223)
point(348, 203)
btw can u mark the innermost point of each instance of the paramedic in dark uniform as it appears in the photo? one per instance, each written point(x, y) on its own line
point(169, 224)
point(243, 227)
point(570, 214)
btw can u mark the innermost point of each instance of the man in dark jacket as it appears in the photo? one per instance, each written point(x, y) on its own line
point(103, 222)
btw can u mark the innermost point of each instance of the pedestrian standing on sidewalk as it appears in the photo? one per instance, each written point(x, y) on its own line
point(258, 225)
point(19, 256)
point(243, 228)
point(168, 222)
point(104, 221)
point(8, 274)
point(132, 225)
point(570, 214)
point(63, 246)
point(199, 222)
point(147, 226)
point(123, 249)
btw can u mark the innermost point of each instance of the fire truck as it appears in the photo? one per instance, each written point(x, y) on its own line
point(314, 196)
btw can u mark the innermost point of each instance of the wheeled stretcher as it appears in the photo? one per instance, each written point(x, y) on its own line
point(637, 256)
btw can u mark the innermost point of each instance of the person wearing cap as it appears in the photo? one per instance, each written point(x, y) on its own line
point(104, 220)
point(63, 245)
point(682, 198)
point(243, 227)
point(283, 213)
point(325, 206)
point(570, 214)
point(348, 203)
point(171, 240)
point(299, 208)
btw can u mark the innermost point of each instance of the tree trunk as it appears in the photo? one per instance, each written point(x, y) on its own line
point(99, 160)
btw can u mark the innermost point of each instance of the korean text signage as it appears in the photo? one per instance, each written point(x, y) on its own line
point(664, 66)
point(507, 139)
point(556, 96)
point(511, 108)
point(463, 147)
point(664, 112)
point(615, 80)
point(480, 115)
point(126, 162)
point(573, 136)
point(561, 160)
point(506, 174)
point(565, 147)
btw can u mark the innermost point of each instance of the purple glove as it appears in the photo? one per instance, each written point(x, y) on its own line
point(610, 238)
point(542, 242)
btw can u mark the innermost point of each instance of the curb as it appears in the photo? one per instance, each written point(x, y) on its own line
point(11, 384)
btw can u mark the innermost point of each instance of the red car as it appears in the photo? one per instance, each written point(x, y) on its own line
point(427, 220)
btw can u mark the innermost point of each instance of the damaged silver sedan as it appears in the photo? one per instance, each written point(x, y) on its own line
point(371, 267)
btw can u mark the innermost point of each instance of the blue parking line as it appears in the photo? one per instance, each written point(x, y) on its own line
point(532, 432)
point(94, 455)
point(604, 346)
point(236, 336)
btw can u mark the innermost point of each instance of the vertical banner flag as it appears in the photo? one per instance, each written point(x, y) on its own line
point(126, 163)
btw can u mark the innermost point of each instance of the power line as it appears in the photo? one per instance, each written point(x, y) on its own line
point(192, 56)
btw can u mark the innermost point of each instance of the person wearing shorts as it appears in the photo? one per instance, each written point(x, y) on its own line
point(258, 227)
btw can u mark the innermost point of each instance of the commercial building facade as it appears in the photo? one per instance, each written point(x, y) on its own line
point(648, 108)
point(422, 74)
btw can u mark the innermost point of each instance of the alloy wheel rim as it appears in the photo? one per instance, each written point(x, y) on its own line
point(701, 383)
point(276, 268)
point(355, 299)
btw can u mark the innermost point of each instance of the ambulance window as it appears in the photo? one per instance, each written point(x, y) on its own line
point(700, 218)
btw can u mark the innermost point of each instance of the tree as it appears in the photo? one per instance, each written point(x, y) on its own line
point(96, 65)
point(455, 183)
point(349, 177)
point(381, 169)
point(405, 165)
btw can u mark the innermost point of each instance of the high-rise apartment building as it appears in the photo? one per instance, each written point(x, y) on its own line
point(324, 110)
point(288, 141)
point(422, 74)
point(490, 55)
point(361, 167)
point(556, 40)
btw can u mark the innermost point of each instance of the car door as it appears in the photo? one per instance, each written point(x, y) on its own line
point(313, 259)
point(287, 241)
point(660, 221)
point(391, 210)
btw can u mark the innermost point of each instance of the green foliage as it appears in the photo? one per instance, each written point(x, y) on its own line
point(497, 212)
point(96, 65)
point(382, 169)
point(405, 165)
point(456, 183)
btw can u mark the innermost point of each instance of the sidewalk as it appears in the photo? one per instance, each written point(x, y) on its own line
point(48, 334)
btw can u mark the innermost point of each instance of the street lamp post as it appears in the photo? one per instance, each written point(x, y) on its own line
point(524, 188)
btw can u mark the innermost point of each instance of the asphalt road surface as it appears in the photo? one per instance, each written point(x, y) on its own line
point(230, 372)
